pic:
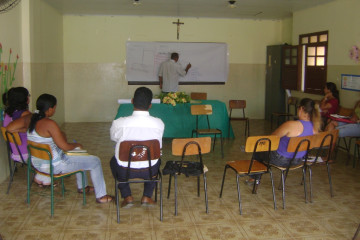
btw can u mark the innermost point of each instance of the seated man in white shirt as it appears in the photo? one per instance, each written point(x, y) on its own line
point(140, 126)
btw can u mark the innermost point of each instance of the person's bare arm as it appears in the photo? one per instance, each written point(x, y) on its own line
point(58, 136)
point(20, 124)
point(161, 81)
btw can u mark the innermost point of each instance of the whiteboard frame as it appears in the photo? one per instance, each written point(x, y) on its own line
point(181, 82)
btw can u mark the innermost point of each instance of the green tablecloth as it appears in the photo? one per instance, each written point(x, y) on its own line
point(178, 120)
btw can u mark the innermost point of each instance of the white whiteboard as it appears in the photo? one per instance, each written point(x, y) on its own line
point(209, 61)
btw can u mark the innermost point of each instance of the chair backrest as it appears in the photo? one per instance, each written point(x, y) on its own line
point(190, 146)
point(139, 150)
point(11, 137)
point(299, 144)
point(237, 104)
point(201, 109)
point(39, 150)
point(262, 143)
point(324, 140)
point(198, 96)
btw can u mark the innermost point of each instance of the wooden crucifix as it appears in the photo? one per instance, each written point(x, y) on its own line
point(178, 23)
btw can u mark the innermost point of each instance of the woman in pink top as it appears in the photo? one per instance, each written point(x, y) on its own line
point(330, 103)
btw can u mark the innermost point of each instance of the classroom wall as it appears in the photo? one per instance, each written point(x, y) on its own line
point(341, 19)
point(46, 55)
point(10, 37)
point(94, 59)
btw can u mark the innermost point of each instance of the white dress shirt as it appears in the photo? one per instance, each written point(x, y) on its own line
point(170, 72)
point(140, 126)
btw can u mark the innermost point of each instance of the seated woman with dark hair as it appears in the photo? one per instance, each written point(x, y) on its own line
point(46, 131)
point(330, 103)
point(17, 101)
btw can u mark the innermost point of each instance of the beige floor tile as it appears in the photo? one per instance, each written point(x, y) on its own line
point(326, 218)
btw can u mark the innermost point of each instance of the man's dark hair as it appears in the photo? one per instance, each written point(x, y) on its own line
point(142, 98)
point(174, 56)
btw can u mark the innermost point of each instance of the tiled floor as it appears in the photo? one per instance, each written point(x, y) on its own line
point(325, 218)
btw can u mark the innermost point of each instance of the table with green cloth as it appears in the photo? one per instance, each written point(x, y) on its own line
point(178, 120)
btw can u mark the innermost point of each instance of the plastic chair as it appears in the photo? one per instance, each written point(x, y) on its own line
point(206, 110)
point(132, 151)
point(187, 147)
point(198, 96)
point(239, 104)
point(253, 167)
point(322, 142)
point(13, 138)
point(296, 144)
point(43, 152)
point(292, 101)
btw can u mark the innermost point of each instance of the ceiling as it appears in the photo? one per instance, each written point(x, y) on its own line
point(252, 9)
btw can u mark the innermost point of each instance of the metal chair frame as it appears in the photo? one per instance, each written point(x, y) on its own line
point(302, 144)
point(15, 139)
point(207, 131)
point(262, 144)
point(43, 151)
point(131, 153)
point(322, 141)
point(239, 104)
point(200, 150)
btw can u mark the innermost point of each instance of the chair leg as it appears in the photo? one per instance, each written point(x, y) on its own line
point(176, 206)
point(62, 188)
point(330, 182)
point(52, 195)
point(214, 142)
point(222, 146)
point(273, 188)
point(206, 196)
point(28, 182)
point(198, 185)
point(83, 187)
point(169, 188)
point(356, 154)
point(248, 127)
point(238, 189)
point(12, 173)
point(156, 191)
point(229, 129)
point(223, 180)
point(117, 202)
point(283, 188)
point(310, 182)
point(161, 200)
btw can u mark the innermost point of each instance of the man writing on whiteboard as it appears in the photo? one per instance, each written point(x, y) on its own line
point(169, 73)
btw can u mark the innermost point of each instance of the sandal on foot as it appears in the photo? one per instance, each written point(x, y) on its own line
point(88, 189)
point(104, 199)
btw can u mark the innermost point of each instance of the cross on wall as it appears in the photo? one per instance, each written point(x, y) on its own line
point(178, 23)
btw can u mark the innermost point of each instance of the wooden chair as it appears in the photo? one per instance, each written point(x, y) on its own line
point(206, 110)
point(198, 96)
point(14, 139)
point(292, 101)
point(134, 151)
point(239, 104)
point(322, 142)
point(188, 147)
point(43, 152)
point(253, 166)
point(296, 144)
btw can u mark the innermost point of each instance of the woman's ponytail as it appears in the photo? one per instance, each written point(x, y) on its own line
point(43, 103)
